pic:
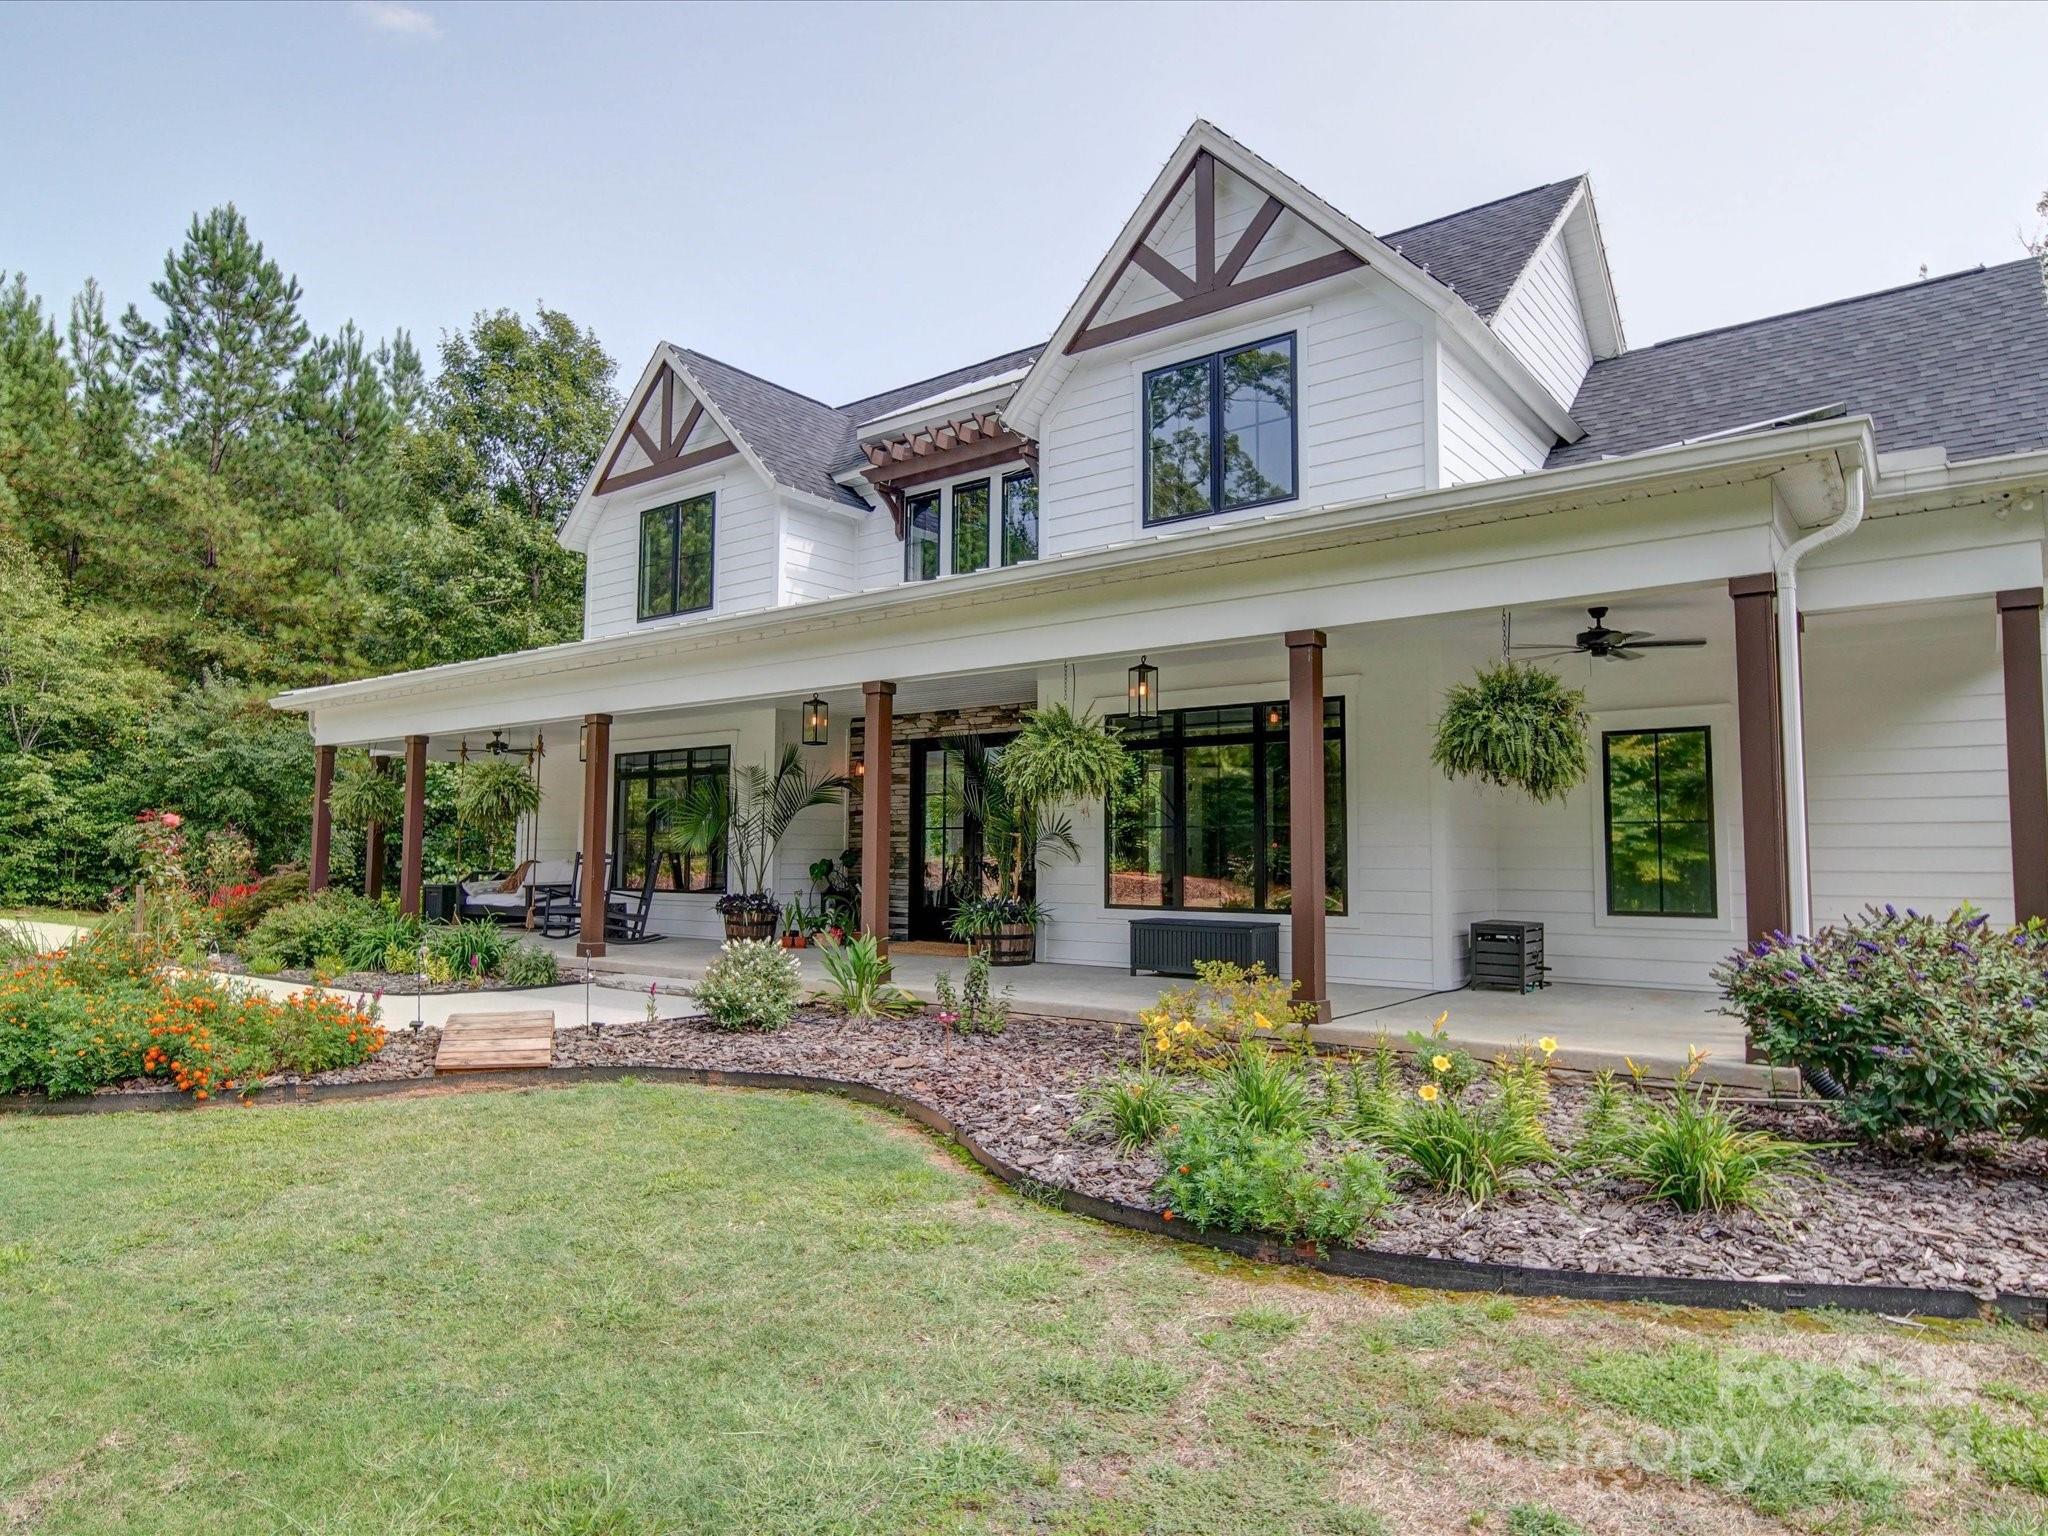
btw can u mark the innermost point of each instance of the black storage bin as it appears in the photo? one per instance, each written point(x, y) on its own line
point(1170, 946)
point(1507, 956)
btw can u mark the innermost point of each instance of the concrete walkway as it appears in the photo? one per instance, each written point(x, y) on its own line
point(607, 1004)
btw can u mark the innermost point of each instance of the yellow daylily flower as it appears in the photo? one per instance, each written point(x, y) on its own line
point(1547, 1044)
point(1438, 1027)
point(1261, 1021)
point(1427, 1093)
point(1441, 1063)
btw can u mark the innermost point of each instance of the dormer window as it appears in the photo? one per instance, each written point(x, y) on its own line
point(676, 558)
point(921, 536)
point(1220, 432)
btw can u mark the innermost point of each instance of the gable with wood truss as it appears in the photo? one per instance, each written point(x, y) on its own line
point(667, 432)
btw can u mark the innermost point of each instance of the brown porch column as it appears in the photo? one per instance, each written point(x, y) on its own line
point(1766, 879)
point(412, 843)
point(597, 820)
point(373, 843)
point(323, 819)
point(2026, 750)
point(1306, 828)
point(878, 762)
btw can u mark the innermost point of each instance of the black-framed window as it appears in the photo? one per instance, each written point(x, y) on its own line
point(1020, 517)
point(676, 557)
point(1199, 821)
point(1659, 808)
point(1220, 431)
point(970, 526)
point(921, 536)
point(644, 779)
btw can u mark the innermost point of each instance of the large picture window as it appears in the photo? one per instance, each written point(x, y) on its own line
point(1660, 822)
point(676, 558)
point(1199, 821)
point(1220, 432)
point(644, 780)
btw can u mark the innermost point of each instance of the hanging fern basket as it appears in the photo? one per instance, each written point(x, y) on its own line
point(1516, 725)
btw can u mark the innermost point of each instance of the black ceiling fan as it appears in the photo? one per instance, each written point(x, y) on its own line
point(1612, 644)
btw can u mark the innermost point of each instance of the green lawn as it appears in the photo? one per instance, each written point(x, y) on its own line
point(646, 1308)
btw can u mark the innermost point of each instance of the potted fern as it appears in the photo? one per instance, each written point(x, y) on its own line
point(1516, 725)
point(1056, 758)
point(491, 795)
point(748, 816)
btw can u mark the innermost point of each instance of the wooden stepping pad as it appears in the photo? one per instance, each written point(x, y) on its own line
point(496, 1042)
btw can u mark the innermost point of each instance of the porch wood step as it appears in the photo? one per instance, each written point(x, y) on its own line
point(494, 1042)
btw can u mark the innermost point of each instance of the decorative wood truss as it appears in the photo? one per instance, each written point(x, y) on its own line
point(661, 438)
point(1214, 284)
point(978, 440)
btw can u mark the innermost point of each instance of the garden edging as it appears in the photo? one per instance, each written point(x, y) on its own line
point(1414, 1270)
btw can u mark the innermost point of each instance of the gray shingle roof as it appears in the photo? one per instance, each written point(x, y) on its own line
point(804, 442)
point(1479, 252)
point(1959, 361)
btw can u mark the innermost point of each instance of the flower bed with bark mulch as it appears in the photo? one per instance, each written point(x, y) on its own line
point(1974, 1220)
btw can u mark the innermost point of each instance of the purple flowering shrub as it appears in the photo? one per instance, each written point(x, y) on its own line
point(1930, 1023)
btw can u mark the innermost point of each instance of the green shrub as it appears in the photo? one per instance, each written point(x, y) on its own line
point(528, 965)
point(1135, 1106)
point(752, 984)
point(1930, 1024)
point(972, 1010)
point(241, 912)
point(333, 923)
point(1221, 1175)
point(471, 949)
point(259, 964)
point(1264, 1091)
point(383, 929)
point(859, 973)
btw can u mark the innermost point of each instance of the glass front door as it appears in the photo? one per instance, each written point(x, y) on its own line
point(947, 854)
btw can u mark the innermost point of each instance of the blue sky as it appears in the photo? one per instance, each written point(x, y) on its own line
point(847, 197)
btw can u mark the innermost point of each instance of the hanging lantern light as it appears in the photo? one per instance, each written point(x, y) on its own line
point(1144, 691)
point(817, 721)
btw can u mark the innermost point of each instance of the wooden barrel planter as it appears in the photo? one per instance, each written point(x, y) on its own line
point(751, 925)
point(1011, 944)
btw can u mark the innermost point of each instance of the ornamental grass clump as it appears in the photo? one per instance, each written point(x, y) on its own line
point(1134, 1107)
point(1688, 1149)
point(753, 984)
point(1516, 725)
point(1932, 1025)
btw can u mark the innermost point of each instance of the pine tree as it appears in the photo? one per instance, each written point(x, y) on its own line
point(217, 368)
point(106, 395)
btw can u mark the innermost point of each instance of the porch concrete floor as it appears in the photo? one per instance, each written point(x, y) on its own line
point(1595, 1027)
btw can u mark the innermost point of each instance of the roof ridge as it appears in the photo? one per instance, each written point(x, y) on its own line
point(1847, 299)
point(758, 378)
point(1445, 218)
point(897, 389)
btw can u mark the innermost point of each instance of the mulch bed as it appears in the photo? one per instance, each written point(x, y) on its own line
point(1973, 1222)
point(390, 983)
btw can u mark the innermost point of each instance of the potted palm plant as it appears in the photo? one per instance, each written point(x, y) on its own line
point(748, 816)
point(1058, 757)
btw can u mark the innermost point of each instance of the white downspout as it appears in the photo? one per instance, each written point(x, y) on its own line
point(1792, 707)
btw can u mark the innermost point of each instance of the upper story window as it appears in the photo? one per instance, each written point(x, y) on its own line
point(921, 536)
point(1220, 432)
point(964, 528)
point(1020, 517)
point(676, 558)
point(1660, 822)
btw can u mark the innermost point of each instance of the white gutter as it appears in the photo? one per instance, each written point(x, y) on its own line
point(1792, 706)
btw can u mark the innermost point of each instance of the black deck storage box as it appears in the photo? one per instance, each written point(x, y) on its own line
point(1507, 957)
point(1170, 946)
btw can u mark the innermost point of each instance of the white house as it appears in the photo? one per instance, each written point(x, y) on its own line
point(1295, 465)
